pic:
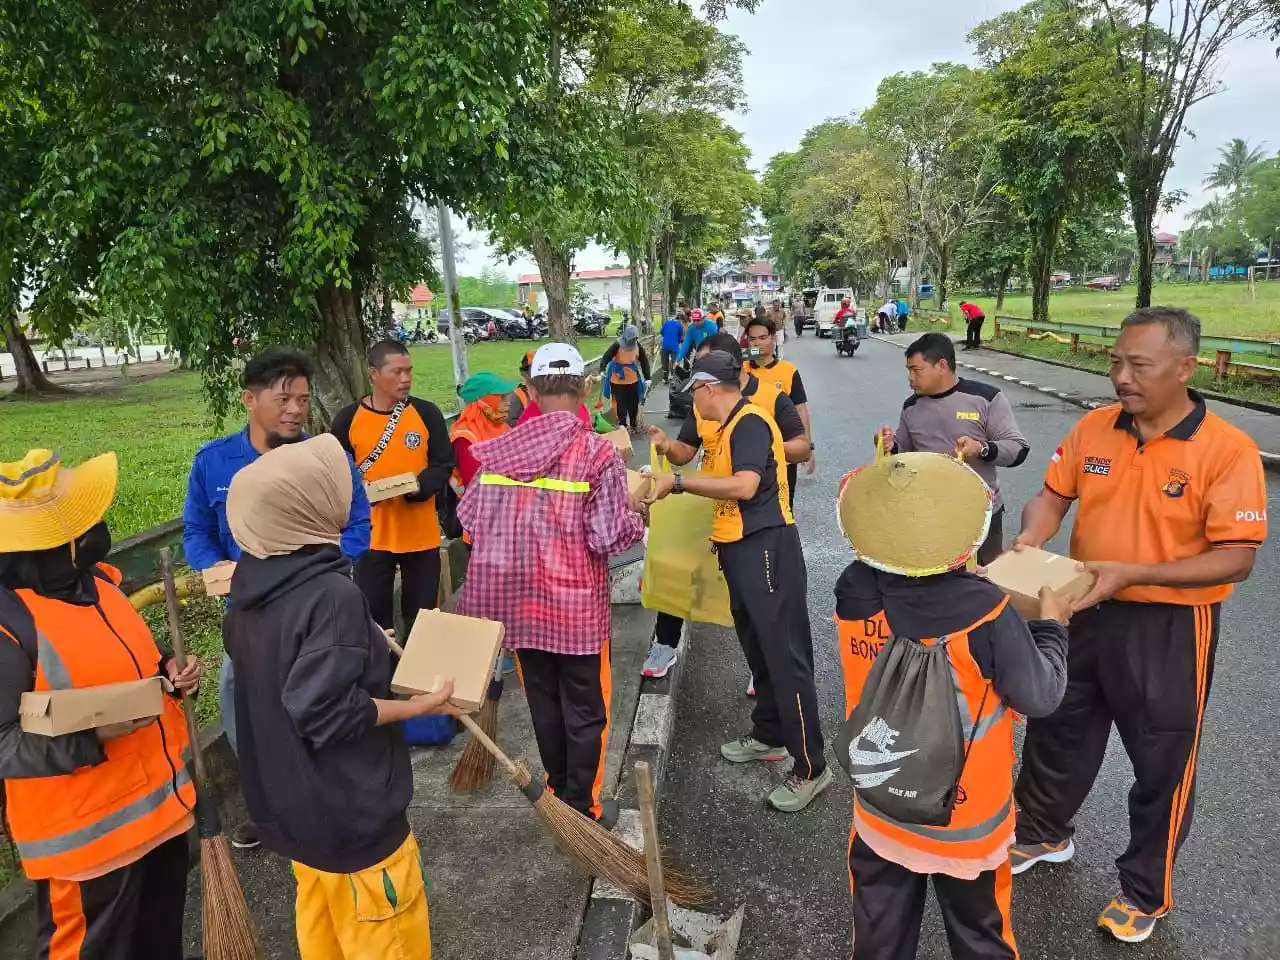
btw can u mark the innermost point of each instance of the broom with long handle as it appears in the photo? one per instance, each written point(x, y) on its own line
point(229, 931)
point(475, 766)
point(591, 846)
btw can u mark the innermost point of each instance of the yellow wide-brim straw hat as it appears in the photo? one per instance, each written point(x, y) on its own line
point(44, 503)
point(916, 514)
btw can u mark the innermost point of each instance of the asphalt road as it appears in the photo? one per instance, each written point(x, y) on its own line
point(790, 870)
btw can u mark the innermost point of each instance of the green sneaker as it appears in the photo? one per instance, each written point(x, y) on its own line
point(748, 749)
point(794, 794)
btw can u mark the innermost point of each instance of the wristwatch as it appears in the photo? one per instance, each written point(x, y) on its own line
point(678, 487)
point(986, 450)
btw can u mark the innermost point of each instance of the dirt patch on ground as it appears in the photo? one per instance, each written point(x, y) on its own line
point(98, 381)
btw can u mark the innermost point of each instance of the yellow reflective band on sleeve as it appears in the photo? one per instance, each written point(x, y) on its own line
point(542, 483)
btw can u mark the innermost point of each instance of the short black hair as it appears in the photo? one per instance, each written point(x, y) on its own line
point(934, 347)
point(726, 342)
point(271, 366)
point(384, 350)
point(1182, 326)
point(760, 320)
point(559, 385)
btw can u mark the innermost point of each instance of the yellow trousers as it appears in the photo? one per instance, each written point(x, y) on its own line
point(377, 914)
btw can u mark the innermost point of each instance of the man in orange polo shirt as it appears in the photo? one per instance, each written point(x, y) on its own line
point(1172, 509)
point(389, 433)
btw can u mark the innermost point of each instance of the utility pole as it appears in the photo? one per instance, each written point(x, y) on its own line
point(456, 339)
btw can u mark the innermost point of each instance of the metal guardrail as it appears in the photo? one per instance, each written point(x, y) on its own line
point(1231, 345)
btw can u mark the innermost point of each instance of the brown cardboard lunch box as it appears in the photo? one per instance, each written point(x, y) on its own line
point(1022, 573)
point(51, 713)
point(638, 483)
point(388, 488)
point(217, 579)
point(621, 441)
point(444, 646)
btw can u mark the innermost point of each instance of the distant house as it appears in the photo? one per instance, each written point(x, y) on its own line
point(606, 289)
point(754, 278)
point(1165, 246)
point(418, 307)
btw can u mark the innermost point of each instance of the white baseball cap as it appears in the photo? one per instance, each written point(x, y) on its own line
point(557, 360)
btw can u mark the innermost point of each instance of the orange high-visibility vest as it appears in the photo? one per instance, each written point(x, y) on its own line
point(981, 828)
point(70, 824)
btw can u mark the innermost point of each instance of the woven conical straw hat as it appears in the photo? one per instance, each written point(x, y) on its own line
point(916, 514)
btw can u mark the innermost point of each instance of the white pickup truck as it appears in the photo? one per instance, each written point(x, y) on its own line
point(828, 305)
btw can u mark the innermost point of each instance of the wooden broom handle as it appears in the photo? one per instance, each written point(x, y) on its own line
point(180, 656)
point(653, 860)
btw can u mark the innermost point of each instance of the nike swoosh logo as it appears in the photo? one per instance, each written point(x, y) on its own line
point(866, 758)
point(865, 781)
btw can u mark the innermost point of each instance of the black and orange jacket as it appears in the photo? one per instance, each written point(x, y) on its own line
point(420, 445)
point(75, 805)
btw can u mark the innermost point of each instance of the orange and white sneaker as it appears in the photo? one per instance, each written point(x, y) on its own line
point(1024, 856)
point(1126, 922)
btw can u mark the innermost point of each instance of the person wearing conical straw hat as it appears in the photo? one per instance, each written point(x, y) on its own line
point(323, 758)
point(99, 816)
point(914, 520)
point(755, 538)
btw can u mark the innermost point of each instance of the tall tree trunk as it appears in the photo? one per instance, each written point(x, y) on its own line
point(651, 271)
point(637, 282)
point(31, 379)
point(1044, 240)
point(1144, 214)
point(1004, 285)
point(554, 265)
point(342, 375)
point(669, 271)
point(944, 268)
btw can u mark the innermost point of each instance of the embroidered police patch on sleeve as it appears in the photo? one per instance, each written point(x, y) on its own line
point(413, 440)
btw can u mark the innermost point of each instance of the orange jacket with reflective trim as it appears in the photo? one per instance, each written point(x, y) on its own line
point(981, 828)
point(70, 824)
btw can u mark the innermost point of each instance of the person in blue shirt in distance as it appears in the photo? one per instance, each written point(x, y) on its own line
point(672, 334)
point(701, 328)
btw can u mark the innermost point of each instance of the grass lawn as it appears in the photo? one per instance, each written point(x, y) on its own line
point(1224, 307)
point(155, 426)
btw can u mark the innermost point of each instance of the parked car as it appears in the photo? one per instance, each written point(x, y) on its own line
point(1104, 283)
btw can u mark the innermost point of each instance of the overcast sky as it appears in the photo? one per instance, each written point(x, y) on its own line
point(797, 76)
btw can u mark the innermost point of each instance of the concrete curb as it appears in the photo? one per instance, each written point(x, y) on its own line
point(1270, 461)
point(611, 916)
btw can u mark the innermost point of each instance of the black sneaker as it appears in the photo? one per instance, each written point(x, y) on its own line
point(245, 836)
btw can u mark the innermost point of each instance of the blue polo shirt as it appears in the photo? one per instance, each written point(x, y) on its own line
point(206, 535)
point(672, 334)
point(698, 331)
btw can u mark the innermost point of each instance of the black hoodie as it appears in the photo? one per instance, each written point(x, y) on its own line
point(1025, 662)
point(324, 784)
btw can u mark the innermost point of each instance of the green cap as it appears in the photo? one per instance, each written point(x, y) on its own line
point(483, 384)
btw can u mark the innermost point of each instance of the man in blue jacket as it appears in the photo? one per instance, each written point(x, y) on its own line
point(672, 334)
point(701, 328)
point(277, 396)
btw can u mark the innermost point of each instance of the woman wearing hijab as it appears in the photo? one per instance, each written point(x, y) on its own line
point(626, 371)
point(323, 759)
point(99, 816)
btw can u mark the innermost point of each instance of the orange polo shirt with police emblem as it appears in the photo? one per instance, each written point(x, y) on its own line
point(1198, 486)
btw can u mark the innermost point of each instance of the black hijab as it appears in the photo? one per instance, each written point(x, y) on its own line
point(63, 573)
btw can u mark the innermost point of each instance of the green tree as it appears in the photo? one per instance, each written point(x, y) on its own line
point(992, 251)
point(1051, 97)
point(253, 164)
point(944, 147)
point(1165, 57)
point(1259, 202)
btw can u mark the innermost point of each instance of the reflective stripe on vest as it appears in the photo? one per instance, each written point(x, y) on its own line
point(50, 661)
point(945, 834)
point(542, 483)
point(151, 802)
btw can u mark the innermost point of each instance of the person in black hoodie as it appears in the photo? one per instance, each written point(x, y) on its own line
point(324, 763)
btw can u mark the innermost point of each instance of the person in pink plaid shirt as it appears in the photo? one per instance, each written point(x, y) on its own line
point(546, 509)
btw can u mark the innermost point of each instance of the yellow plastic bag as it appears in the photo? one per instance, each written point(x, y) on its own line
point(681, 575)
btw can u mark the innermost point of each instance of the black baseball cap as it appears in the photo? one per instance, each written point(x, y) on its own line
point(715, 367)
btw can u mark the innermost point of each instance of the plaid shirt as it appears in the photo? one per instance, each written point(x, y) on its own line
point(539, 560)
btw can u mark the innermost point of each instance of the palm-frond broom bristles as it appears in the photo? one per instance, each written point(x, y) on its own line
point(475, 766)
point(229, 931)
point(587, 843)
